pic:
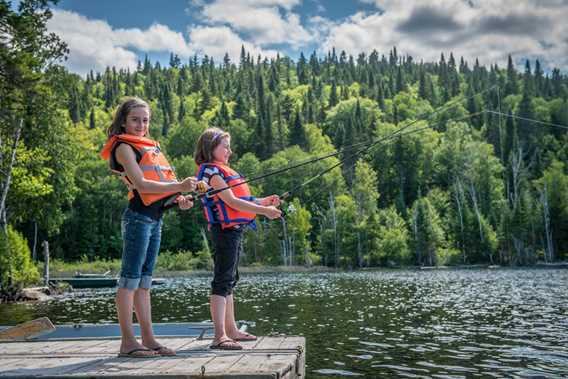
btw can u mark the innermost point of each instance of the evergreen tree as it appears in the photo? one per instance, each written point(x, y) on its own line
point(333, 100)
point(512, 87)
point(298, 132)
point(92, 123)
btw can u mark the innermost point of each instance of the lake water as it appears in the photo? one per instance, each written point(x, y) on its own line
point(400, 323)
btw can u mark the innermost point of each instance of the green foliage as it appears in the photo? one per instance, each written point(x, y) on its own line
point(16, 266)
point(299, 228)
point(390, 237)
point(427, 232)
point(184, 261)
point(457, 187)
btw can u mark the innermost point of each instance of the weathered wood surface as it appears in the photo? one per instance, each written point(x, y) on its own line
point(27, 330)
point(268, 357)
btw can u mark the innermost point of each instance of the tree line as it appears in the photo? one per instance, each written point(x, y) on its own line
point(468, 187)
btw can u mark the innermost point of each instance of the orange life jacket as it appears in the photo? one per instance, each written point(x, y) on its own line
point(228, 217)
point(152, 162)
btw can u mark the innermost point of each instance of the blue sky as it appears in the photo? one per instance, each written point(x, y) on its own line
point(118, 33)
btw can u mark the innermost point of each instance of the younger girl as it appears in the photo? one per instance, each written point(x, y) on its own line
point(228, 213)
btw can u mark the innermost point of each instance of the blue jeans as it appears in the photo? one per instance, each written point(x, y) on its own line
point(141, 237)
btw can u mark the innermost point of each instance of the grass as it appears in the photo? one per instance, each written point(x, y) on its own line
point(168, 262)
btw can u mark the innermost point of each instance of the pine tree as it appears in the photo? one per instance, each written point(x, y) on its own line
point(223, 117)
point(243, 59)
point(349, 156)
point(302, 70)
point(333, 100)
point(92, 123)
point(175, 62)
point(510, 137)
point(204, 103)
point(241, 109)
point(526, 110)
point(473, 107)
point(428, 233)
point(181, 111)
point(381, 96)
point(538, 79)
point(273, 81)
point(298, 132)
point(280, 128)
point(287, 108)
point(268, 135)
point(422, 88)
point(258, 138)
point(74, 105)
point(400, 82)
point(511, 87)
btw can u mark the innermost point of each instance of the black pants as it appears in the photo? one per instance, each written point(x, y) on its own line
point(227, 248)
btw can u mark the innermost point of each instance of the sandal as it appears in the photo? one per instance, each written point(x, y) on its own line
point(227, 344)
point(138, 353)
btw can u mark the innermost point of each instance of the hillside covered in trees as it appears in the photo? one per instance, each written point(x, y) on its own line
point(460, 185)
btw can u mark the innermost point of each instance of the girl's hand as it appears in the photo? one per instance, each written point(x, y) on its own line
point(201, 186)
point(188, 184)
point(272, 212)
point(273, 200)
point(184, 202)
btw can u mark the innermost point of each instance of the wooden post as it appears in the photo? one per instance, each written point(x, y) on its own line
point(34, 251)
point(45, 245)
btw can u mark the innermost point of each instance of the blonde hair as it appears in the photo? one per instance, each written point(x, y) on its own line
point(206, 144)
point(119, 119)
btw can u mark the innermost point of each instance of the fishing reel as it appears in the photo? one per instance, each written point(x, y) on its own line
point(201, 189)
point(290, 209)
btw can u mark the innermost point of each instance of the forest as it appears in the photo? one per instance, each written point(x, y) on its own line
point(477, 175)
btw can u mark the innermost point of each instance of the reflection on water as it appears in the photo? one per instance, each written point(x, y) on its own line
point(443, 324)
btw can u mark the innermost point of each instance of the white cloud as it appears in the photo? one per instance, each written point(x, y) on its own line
point(484, 29)
point(216, 41)
point(95, 45)
point(90, 43)
point(265, 22)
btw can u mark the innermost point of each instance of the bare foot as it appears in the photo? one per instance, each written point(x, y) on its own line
point(242, 336)
point(159, 349)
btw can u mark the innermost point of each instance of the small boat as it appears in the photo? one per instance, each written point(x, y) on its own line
point(112, 331)
point(83, 275)
point(86, 282)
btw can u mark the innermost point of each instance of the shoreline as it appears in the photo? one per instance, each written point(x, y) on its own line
point(261, 269)
point(19, 295)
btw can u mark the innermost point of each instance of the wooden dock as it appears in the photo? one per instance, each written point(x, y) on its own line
point(268, 357)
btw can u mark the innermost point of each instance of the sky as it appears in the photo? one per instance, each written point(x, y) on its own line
point(119, 33)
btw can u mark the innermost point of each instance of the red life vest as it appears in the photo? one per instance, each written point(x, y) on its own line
point(153, 164)
point(228, 217)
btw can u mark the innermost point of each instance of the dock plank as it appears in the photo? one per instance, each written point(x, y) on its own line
point(268, 357)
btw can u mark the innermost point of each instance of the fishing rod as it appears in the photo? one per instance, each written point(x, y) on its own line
point(368, 146)
point(204, 193)
point(362, 151)
point(295, 189)
point(526, 119)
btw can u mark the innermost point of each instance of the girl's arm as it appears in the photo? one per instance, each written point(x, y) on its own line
point(239, 204)
point(269, 200)
point(126, 157)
